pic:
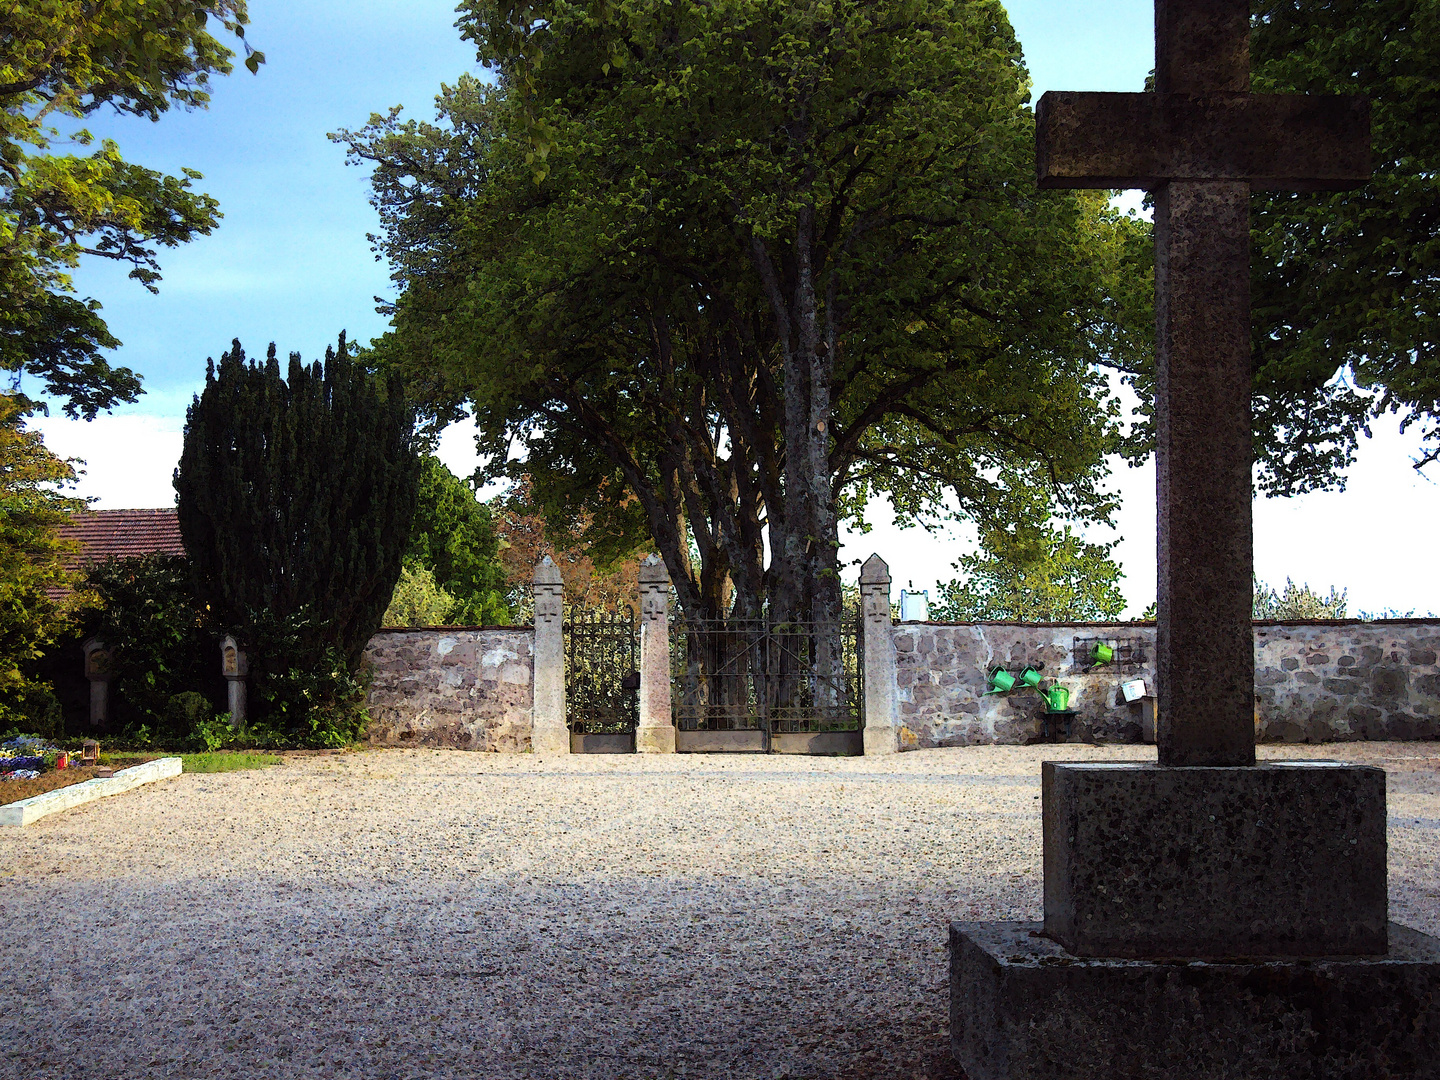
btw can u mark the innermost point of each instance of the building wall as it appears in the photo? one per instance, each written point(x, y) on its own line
point(470, 689)
point(1315, 682)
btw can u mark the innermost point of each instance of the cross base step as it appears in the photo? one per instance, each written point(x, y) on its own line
point(1022, 1008)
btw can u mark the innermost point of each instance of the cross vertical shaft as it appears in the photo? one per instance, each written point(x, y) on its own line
point(1205, 664)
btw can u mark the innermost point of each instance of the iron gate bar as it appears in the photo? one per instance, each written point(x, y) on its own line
point(601, 655)
point(764, 677)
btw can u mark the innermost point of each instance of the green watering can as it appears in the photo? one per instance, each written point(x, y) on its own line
point(1001, 682)
point(1057, 699)
point(1030, 678)
point(1102, 653)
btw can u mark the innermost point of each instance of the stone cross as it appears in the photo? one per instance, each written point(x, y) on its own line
point(1201, 143)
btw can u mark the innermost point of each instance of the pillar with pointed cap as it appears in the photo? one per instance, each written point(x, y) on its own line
point(655, 732)
point(550, 734)
point(882, 725)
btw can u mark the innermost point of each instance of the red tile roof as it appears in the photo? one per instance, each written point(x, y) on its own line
point(103, 534)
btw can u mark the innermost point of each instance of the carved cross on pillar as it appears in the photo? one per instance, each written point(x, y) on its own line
point(1201, 142)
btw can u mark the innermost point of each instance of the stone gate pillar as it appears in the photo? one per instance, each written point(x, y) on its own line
point(549, 732)
point(882, 724)
point(655, 733)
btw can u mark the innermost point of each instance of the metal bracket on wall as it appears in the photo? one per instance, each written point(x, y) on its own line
point(1128, 654)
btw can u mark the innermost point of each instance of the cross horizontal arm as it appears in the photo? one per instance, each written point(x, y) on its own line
point(1287, 142)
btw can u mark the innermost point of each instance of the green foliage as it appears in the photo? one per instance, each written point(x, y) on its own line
point(1349, 280)
point(453, 540)
point(162, 646)
point(34, 710)
point(727, 270)
point(67, 59)
point(1034, 574)
point(1297, 602)
point(295, 498)
point(418, 601)
point(31, 564)
point(229, 761)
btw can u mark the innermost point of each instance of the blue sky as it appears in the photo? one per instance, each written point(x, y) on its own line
point(290, 263)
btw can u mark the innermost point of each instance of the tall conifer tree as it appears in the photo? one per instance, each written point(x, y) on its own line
point(296, 495)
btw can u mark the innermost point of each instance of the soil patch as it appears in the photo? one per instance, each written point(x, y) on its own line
point(14, 790)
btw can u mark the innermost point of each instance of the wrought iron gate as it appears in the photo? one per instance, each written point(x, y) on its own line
point(601, 681)
point(767, 686)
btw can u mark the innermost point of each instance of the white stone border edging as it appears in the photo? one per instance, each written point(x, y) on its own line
point(32, 809)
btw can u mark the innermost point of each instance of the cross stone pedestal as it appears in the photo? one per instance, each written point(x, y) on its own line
point(1206, 917)
point(1206, 922)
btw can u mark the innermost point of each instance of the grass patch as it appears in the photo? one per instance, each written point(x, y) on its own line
point(227, 761)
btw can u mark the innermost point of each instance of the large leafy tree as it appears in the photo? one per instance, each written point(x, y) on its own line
point(724, 271)
point(453, 538)
point(296, 496)
point(32, 556)
point(1347, 285)
point(60, 62)
point(1033, 574)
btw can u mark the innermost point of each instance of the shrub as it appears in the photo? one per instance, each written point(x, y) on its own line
point(295, 498)
point(163, 646)
point(419, 601)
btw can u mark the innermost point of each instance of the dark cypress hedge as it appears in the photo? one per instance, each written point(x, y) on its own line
point(296, 498)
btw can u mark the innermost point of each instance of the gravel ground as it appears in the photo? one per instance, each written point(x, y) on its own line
point(399, 914)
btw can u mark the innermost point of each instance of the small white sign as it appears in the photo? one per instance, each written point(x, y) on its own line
point(914, 606)
point(1133, 690)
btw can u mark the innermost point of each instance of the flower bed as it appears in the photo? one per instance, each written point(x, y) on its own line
point(30, 766)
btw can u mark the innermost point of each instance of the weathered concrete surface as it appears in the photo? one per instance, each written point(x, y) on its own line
point(1314, 682)
point(470, 689)
point(1204, 663)
point(1289, 142)
point(1021, 1008)
point(1265, 860)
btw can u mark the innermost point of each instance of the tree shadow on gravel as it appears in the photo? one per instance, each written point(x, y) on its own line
point(918, 1050)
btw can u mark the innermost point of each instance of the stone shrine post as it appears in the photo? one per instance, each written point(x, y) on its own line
point(1201, 143)
point(882, 728)
point(235, 666)
point(99, 671)
point(655, 733)
point(549, 733)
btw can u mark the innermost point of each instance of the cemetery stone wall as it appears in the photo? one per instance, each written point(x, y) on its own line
point(1314, 682)
point(472, 689)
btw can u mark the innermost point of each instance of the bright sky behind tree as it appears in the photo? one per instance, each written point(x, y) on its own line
point(290, 263)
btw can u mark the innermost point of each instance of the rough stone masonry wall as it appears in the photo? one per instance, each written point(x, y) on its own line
point(471, 689)
point(1314, 682)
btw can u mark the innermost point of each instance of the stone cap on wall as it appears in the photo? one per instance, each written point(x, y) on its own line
point(547, 573)
point(653, 572)
point(875, 571)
